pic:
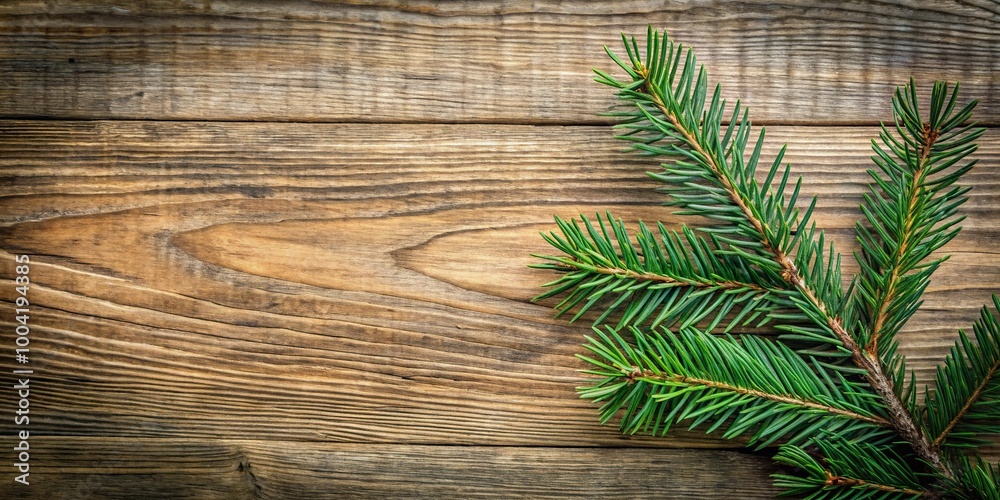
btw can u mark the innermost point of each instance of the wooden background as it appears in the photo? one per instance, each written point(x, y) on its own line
point(279, 250)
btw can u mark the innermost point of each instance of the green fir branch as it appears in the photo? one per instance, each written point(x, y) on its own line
point(966, 402)
point(831, 389)
point(910, 211)
point(848, 470)
point(975, 479)
point(758, 388)
point(658, 278)
point(711, 176)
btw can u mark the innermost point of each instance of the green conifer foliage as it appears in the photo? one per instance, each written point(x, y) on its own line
point(824, 383)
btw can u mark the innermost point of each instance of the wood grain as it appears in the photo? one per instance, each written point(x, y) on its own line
point(497, 62)
point(249, 468)
point(280, 249)
point(358, 284)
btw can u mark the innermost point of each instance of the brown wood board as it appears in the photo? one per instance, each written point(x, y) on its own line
point(280, 248)
point(250, 469)
point(510, 62)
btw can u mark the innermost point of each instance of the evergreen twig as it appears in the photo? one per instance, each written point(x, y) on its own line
point(966, 404)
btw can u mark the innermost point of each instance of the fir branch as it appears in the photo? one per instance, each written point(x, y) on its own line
point(712, 179)
point(974, 480)
point(769, 257)
point(910, 210)
point(669, 276)
point(966, 403)
point(757, 386)
point(848, 470)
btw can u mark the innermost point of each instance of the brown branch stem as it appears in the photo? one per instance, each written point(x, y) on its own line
point(660, 278)
point(834, 480)
point(636, 374)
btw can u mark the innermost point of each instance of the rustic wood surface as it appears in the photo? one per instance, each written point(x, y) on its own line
point(281, 250)
point(513, 62)
point(225, 469)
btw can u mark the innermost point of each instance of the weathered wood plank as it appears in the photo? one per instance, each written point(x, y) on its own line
point(84, 468)
point(512, 62)
point(355, 283)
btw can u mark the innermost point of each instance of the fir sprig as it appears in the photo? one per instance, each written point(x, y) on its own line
point(974, 480)
point(910, 211)
point(832, 378)
point(848, 470)
point(669, 276)
point(756, 387)
point(966, 404)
